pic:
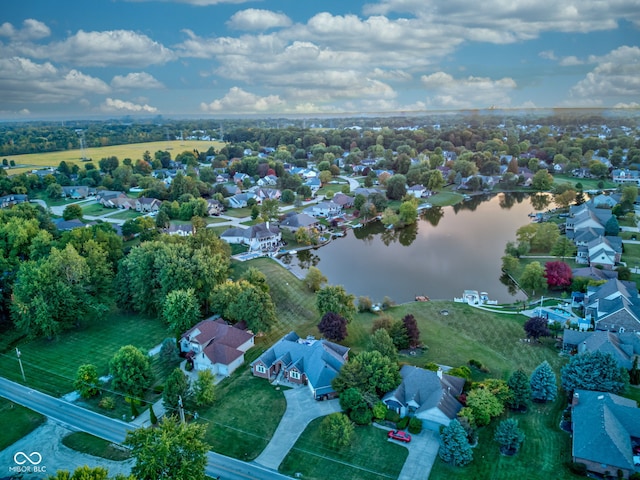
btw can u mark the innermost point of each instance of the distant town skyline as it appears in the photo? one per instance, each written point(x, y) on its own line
point(290, 57)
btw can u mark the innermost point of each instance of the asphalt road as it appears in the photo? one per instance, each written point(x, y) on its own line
point(77, 418)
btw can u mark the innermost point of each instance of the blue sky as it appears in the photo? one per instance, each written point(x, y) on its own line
point(79, 58)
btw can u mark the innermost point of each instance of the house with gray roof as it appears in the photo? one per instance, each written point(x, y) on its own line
point(606, 432)
point(260, 237)
point(594, 273)
point(299, 220)
point(303, 361)
point(427, 395)
point(12, 199)
point(613, 306)
point(323, 209)
point(624, 347)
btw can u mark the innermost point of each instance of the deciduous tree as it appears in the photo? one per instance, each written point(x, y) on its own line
point(381, 341)
point(130, 370)
point(204, 392)
point(413, 332)
point(537, 327)
point(454, 446)
point(543, 383)
point(175, 388)
point(533, 277)
point(484, 406)
point(181, 311)
point(396, 187)
point(558, 274)
point(369, 372)
point(333, 326)
point(171, 451)
point(334, 298)
point(337, 430)
point(314, 279)
point(86, 382)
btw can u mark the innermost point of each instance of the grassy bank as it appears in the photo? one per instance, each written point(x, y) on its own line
point(85, 443)
point(22, 420)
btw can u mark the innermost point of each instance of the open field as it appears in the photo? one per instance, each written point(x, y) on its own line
point(317, 461)
point(51, 365)
point(443, 199)
point(133, 151)
point(22, 421)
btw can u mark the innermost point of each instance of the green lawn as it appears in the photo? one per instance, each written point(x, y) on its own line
point(126, 215)
point(94, 209)
point(51, 365)
point(22, 421)
point(245, 415)
point(369, 457)
point(333, 188)
point(86, 443)
point(443, 199)
point(587, 183)
point(238, 212)
point(631, 254)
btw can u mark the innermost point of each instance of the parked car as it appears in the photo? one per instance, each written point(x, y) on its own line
point(399, 435)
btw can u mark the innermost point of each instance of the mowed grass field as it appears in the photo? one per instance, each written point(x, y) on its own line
point(134, 151)
point(51, 365)
point(21, 420)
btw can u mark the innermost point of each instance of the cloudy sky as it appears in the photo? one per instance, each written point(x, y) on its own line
point(81, 58)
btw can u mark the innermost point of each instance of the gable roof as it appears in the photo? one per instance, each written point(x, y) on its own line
point(319, 360)
point(603, 424)
point(428, 390)
point(219, 340)
point(298, 220)
point(623, 346)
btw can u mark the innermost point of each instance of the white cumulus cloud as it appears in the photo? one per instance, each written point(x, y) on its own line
point(31, 30)
point(238, 100)
point(114, 105)
point(471, 92)
point(253, 19)
point(135, 80)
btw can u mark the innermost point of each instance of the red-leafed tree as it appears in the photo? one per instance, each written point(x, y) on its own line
point(333, 326)
point(558, 274)
point(537, 327)
point(413, 332)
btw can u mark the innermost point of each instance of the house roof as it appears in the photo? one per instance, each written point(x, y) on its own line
point(298, 220)
point(319, 360)
point(603, 424)
point(623, 346)
point(342, 199)
point(219, 340)
point(426, 389)
point(595, 273)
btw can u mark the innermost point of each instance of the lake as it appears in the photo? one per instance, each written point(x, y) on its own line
point(449, 250)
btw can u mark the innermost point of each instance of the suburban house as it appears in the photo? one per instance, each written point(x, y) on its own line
point(180, 230)
point(345, 201)
point(214, 345)
point(295, 221)
point(427, 395)
point(310, 362)
point(613, 306)
point(605, 201)
point(624, 347)
point(240, 200)
point(267, 181)
point(214, 207)
point(262, 194)
point(620, 176)
point(594, 273)
point(323, 209)
point(606, 432)
point(585, 216)
point(77, 192)
point(418, 191)
point(12, 199)
point(604, 252)
point(313, 183)
point(146, 205)
point(67, 225)
point(106, 197)
point(261, 237)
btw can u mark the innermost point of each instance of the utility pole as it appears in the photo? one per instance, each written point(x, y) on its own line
point(20, 362)
point(180, 408)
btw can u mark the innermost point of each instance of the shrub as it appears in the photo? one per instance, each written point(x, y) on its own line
point(475, 363)
point(379, 411)
point(403, 422)
point(415, 425)
point(634, 476)
point(361, 416)
point(578, 468)
point(431, 366)
point(364, 304)
point(392, 416)
point(108, 403)
point(188, 366)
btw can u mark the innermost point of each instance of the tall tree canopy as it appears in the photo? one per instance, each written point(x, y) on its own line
point(558, 274)
point(131, 371)
point(454, 445)
point(171, 451)
point(597, 371)
point(333, 326)
point(369, 372)
point(334, 298)
point(237, 301)
point(543, 383)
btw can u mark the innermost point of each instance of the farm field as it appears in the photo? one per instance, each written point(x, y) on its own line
point(133, 151)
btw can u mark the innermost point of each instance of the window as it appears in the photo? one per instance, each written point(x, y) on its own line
point(261, 369)
point(295, 374)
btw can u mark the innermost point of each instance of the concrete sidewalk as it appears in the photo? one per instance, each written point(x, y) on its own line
point(301, 409)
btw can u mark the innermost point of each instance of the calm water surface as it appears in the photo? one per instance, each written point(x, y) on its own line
point(450, 250)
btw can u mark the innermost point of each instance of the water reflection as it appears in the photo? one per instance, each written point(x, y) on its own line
point(447, 251)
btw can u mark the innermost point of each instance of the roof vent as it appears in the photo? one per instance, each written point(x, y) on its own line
point(600, 397)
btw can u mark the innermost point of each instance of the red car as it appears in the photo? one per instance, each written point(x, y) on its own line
point(399, 435)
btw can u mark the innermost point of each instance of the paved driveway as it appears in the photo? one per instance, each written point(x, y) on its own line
point(301, 409)
point(423, 450)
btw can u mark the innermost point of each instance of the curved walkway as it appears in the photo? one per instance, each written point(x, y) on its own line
point(301, 409)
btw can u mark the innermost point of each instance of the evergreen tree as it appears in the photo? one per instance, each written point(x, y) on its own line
point(521, 390)
point(634, 373)
point(594, 371)
point(612, 227)
point(509, 436)
point(543, 383)
point(454, 447)
point(152, 416)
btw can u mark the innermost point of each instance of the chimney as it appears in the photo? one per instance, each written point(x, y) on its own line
point(576, 399)
point(440, 373)
point(267, 224)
